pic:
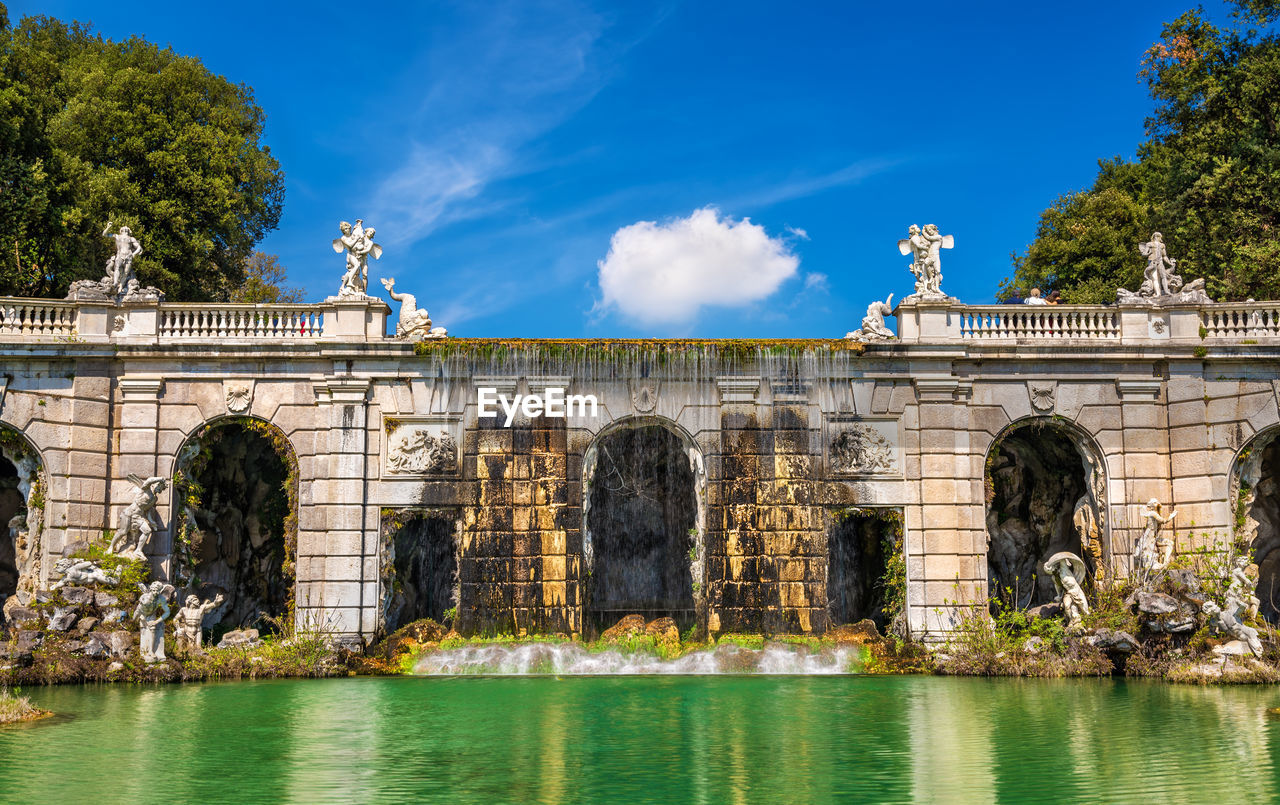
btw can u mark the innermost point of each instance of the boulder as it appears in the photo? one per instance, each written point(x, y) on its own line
point(120, 643)
point(86, 625)
point(1046, 612)
point(1232, 648)
point(20, 615)
point(1112, 640)
point(240, 638)
point(26, 641)
point(665, 632)
point(105, 599)
point(43, 596)
point(74, 646)
point(62, 618)
point(1033, 644)
point(1156, 603)
point(629, 626)
point(77, 595)
point(858, 634)
point(97, 647)
point(113, 616)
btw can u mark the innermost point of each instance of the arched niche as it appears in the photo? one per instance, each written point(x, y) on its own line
point(22, 501)
point(1045, 488)
point(643, 523)
point(235, 496)
point(1255, 493)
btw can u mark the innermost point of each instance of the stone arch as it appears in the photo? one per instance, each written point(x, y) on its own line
point(1255, 502)
point(1045, 490)
point(235, 512)
point(613, 562)
point(23, 484)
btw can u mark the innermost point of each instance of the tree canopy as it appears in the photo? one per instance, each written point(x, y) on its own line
point(1207, 177)
point(93, 131)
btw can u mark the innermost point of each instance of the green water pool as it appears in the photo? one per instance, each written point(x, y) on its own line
point(732, 739)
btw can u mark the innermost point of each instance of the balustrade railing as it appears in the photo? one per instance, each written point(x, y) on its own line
point(181, 321)
point(33, 317)
point(1243, 320)
point(993, 322)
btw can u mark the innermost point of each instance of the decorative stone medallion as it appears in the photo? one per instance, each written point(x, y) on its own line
point(863, 447)
point(239, 395)
point(1043, 395)
point(644, 396)
point(420, 447)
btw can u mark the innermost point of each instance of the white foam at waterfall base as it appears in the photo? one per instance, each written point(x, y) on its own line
point(572, 659)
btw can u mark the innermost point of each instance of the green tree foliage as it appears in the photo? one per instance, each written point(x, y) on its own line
point(1208, 176)
point(94, 131)
point(264, 282)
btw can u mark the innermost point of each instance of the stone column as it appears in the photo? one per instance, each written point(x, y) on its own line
point(135, 436)
point(1143, 463)
point(337, 583)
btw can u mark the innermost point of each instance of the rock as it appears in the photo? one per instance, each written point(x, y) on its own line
point(452, 635)
point(113, 616)
point(74, 646)
point(1112, 640)
point(27, 641)
point(115, 667)
point(1182, 581)
point(43, 596)
point(20, 615)
point(97, 647)
point(1046, 612)
point(1232, 648)
point(62, 618)
point(1156, 603)
point(629, 626)
point(120, 643)
point(665, 632)
point(102, 599)
point(77, 595)
point(241, 638)
point(86, 625)
point(1033, 644)
point(858, 634)
point(1177, 623)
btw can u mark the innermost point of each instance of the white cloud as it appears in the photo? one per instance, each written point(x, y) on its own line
point(798, 232)
point(664, 273)
point(816, 282)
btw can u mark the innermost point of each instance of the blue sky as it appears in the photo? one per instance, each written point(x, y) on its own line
point(511, 155)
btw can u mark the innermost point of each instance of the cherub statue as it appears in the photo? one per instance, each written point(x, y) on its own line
point(873, 326)
point(120, 278)
point(151, 613)
point(1067, 571)
point(414, 323)
point(188, 624)
point(358, 243)
point(80, 571)
point(1240, 598)
point(1154, 551)
point(925, 245)
point(135, 527)
point(1223, 621)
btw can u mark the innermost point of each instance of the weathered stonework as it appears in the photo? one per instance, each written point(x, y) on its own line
point(1168, 410)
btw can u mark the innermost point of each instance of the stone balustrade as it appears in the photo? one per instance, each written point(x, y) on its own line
point(1247, 320)
point(37, 317)
point(193, 321)
point(1095, 322)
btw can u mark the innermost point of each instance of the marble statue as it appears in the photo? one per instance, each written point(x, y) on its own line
point(414, 323)
point(1240, 598)
point(151, 613)
point(1225, 622)
point(1160, 286)
point(136, 524)
point(1085, 519)
point(120, 265)
point(358, 243)
point(925, 247)
point(1068, 571)
point(873, 326)
point(80, 571)
point(1153, 551)
point(188, 624)
point(120, 281)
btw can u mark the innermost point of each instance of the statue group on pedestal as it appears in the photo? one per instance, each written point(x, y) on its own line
point(120, 282)
point(356, 241)
point(1160, 286)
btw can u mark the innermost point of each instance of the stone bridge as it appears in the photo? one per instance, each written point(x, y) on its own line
point(320, 465)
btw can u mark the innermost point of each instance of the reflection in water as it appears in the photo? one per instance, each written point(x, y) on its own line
point(745, 739)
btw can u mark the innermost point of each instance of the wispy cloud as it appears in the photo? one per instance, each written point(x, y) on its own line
point(511, 72)
point(798, 187)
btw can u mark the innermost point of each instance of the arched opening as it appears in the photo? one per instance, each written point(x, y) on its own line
point(21, 517)
point(420, 571)
point(1045, 493)
point(642, 541)
point(236, 487)
point(1256, 487)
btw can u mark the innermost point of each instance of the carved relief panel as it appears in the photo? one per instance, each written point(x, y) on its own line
point(420, 445)
point(858, 446)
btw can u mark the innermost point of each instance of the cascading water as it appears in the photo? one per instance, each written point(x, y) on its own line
point(573, 659)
